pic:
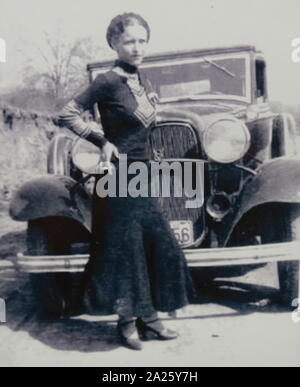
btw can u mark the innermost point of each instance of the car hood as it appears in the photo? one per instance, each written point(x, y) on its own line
point(200, 113)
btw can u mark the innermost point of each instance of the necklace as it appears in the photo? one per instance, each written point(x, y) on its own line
point(145, 111)
point(132, 80)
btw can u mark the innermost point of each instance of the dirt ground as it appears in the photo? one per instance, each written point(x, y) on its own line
point(234, 322)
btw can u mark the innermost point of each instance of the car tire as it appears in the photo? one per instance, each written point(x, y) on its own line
point(57, 294)
point(282, 224)
point(288, 272)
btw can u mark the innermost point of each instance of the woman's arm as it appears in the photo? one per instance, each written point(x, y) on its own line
point(70, 117)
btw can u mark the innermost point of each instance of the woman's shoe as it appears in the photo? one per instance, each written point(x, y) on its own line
point(128, 335)
point(154, 330)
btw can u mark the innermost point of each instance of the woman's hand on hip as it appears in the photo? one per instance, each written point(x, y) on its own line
point(107, 151)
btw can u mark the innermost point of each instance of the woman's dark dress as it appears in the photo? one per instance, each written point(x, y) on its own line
point(136, 265)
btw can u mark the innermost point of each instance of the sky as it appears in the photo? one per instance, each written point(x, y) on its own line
point(270, 25)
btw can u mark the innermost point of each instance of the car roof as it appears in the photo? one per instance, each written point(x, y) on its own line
point(181, 54)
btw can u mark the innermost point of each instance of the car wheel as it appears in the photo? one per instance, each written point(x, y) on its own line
point(284, 226)
point(57, 294)
point(288, 272)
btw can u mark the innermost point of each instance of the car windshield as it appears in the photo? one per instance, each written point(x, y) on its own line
point(203, 77)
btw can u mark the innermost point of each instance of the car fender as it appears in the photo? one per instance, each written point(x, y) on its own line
point(285, 141)
point(277, 181)
point(51, 196)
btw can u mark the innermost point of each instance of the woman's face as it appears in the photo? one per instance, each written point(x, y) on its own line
point(131, 45)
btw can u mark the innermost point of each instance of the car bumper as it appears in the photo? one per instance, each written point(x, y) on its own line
point(211, 257)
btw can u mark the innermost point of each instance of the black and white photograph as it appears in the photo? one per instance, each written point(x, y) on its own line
point(149, 186)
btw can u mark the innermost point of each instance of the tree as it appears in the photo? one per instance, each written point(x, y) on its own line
point(59, 68)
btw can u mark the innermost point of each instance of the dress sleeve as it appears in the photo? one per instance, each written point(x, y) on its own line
point(70, 115)
point(96, 92)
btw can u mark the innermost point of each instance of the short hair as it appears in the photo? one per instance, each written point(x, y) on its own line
point(118, 24)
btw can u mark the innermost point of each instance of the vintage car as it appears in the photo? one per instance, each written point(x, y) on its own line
point(213, 110)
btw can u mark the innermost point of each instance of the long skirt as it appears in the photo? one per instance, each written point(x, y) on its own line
point(136, 266)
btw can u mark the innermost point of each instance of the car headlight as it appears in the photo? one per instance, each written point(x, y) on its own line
point(226, 140)
point(86, 156)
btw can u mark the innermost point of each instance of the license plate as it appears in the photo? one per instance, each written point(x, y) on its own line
point(183, 230)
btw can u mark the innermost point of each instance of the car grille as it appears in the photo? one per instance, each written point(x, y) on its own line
point(175, 141)
point(178, 141)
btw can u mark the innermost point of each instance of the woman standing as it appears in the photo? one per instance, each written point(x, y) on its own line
point(136, 266)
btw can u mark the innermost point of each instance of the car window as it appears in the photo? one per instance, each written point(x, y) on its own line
point(205, 76)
